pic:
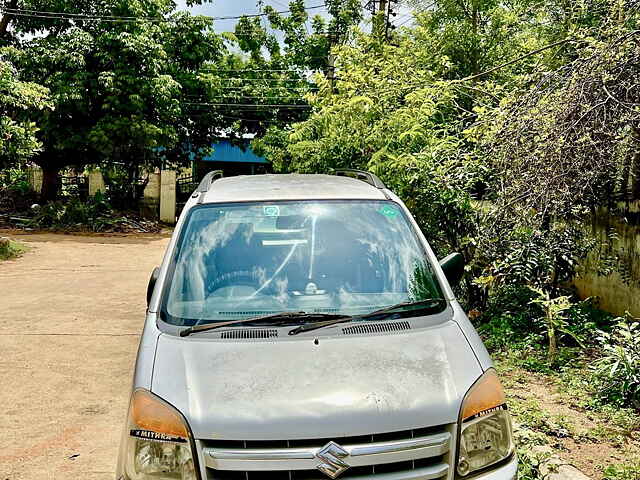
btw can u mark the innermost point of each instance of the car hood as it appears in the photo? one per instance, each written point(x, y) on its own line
point(295, 387)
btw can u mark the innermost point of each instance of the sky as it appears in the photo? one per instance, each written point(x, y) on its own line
point(223, 8)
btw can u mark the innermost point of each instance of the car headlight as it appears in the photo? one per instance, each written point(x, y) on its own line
point(158, 441)
point(485, 427)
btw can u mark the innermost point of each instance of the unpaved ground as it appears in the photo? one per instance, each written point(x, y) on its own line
point(71, 310)
point(585, 439)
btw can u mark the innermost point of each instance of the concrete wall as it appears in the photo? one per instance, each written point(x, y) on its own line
point(96, 182)
point(34, 176)
point(159, 196)
point(150, 204)
point(612, 271)
point(168, 196)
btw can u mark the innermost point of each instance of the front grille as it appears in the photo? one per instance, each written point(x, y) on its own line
point(318, 442)
point(383, 327)
point(353, 472)
point(419, 454)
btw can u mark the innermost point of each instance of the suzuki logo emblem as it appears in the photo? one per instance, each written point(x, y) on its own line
point(331, 456)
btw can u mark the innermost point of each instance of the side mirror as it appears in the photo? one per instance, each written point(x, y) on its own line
point(152, 284)
point(453, 268)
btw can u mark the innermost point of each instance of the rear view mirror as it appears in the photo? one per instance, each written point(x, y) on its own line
point(453, 268)
point(152, 284)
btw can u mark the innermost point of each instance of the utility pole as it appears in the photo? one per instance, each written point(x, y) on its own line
point(381, 11)
point(331, 62)
point(387, 21)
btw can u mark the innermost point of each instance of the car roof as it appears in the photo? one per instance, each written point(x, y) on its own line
point(295, 186)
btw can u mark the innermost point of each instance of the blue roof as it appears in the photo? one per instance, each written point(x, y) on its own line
point(225, 151)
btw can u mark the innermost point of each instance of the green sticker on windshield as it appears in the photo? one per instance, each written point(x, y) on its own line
point(271, 211)
point(388, 211)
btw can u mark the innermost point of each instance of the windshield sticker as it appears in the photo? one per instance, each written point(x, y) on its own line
point(271, 211)
point(388, 211)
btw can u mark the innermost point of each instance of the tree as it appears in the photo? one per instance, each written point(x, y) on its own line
point(387, 114)
point(570, 142)
point(121, 90)
point(431, 112)
point(18, 141)
point(267, 83)
point(559, 146)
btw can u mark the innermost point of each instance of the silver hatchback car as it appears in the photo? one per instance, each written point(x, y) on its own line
point(300, 327)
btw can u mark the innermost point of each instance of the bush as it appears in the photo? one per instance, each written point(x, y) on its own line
point(15, 192)
point(509, 320)
point(96, 215)
point(622, 471)
point(514, 322)
point(10, 249)
point(618, 369)
point(14, 180)
point(584, 319)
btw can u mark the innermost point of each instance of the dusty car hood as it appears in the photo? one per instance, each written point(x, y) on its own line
point(292, 388)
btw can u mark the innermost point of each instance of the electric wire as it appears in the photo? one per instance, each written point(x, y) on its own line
point(248, 105)
point(268, 80)
point(22, 12)
point(279, 87)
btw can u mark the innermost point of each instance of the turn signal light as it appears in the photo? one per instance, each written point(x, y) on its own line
point(486, 394)
point(149, 413)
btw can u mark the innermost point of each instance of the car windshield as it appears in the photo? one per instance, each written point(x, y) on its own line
point(237, 261)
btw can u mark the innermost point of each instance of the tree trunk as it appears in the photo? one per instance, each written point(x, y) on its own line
point(553, 342)
point(50, 184)
point(6, 18)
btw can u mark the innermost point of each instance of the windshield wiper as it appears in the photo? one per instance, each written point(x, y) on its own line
point(387, 310)
point(280, 316)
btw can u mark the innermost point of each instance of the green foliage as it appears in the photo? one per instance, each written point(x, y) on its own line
point(566, 142)
point(95, 215)
point(508, 321)
point(515, 324)
point(14, 180)
point(618, 368)
point(388, 115)
point(554, 319)
point(624, 471)
point(18, 101)
point(526, 249)
point(10, 249)
point(585, 319)
point(121, 91)
point(302, 47)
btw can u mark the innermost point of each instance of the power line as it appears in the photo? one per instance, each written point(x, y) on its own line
point(279, 87)
point(248, 105)
point(515, 60)
point(22, 12)
point(405, 19)
point(321, 34)
point(273, 77)
point(261, 97)
point(268, 80)
point(251, 120)
point(255, 70)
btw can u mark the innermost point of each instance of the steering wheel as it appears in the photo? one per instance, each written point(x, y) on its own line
point(235, 278)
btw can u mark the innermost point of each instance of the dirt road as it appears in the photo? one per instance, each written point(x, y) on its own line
point(71, 310)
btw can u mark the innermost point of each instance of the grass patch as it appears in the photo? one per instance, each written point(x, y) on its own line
point(10, 249)
point(558, 408)
point(625, 471)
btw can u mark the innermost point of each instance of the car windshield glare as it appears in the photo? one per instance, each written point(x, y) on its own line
point(235, 261)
